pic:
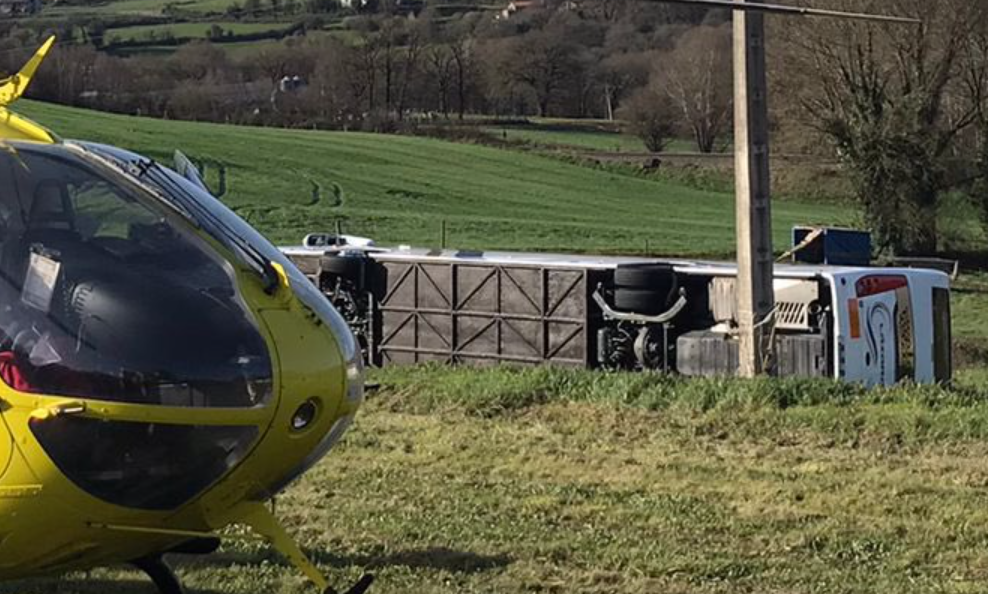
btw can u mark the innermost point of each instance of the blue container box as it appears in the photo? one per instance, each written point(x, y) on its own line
point(832, 246)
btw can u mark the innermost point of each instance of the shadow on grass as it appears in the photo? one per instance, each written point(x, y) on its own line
point(78, 584)
point(437, 558)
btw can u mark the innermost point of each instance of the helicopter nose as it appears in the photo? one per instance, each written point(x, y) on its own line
point(320, 383)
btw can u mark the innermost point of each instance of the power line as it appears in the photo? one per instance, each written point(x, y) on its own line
point(795, 10)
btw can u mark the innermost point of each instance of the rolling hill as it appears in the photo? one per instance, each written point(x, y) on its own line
point(397, 189)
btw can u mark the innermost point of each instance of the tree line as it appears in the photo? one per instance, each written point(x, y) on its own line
point(381, 69)
point(903, 107)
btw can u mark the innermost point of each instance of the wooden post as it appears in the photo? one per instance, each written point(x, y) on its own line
point(755, 292)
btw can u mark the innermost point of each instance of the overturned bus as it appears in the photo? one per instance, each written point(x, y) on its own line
point(874, 326)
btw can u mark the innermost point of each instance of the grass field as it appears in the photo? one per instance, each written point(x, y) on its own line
point(397, 189)
point(587, 139)
point(558, 482)
point(139, 7)
point(189, 30)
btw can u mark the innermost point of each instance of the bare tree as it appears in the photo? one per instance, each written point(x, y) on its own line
point(464, 62)
point(618, 74)
point(651, 116)
point(439, 68)
point(362, 66)
point(411, 56)
point(389, 40)
point(697, 77)
point(974, 89)
point(544, 61)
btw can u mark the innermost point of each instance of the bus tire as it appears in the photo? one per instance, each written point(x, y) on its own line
point(640, 301)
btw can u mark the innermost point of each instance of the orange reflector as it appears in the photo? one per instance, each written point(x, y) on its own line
point(854, 312)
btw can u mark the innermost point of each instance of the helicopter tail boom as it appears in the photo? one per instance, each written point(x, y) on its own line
point(12, 88)
point(13, 126)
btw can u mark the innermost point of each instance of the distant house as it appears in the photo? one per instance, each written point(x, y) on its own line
point(517, 6)
point(9, 8)
point(291, 84)
point(523, 5)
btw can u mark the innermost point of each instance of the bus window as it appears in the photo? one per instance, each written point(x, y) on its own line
point(942, 359)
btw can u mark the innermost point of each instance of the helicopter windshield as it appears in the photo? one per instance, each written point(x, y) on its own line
point(106, 293)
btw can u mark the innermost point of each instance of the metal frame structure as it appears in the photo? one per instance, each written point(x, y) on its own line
point(456, 313)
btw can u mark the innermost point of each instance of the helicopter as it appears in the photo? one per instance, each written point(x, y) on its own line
point(165, 370)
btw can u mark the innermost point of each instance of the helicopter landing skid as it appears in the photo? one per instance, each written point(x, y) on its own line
point(359, 588)
point(160, 573)
point(264, 523)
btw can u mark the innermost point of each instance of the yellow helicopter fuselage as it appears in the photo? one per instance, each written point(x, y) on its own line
point(55, 517)
point(48, 523)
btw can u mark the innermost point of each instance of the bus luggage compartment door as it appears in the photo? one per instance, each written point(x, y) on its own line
point(872, 352)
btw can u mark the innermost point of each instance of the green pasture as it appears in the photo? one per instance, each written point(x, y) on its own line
point(583, 138)
point(397, 189)
point(140, 7)
point(549, 481)
point(188, 30)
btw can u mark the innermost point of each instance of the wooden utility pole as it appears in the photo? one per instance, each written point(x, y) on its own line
point(755, 281)
point(755, 292)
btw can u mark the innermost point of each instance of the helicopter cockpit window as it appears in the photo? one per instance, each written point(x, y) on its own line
point(105, 295)
point(101, 211)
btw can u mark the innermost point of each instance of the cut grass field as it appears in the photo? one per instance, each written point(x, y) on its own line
point(573, 135)
point(397, 189)
point(594, 140)
point(557, 481)
point(188, 30)
point(138, 7)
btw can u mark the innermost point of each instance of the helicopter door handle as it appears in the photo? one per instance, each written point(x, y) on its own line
point(69, 407)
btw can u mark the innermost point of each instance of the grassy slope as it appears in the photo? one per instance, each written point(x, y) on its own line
point(397, 188)
point(548, 481)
